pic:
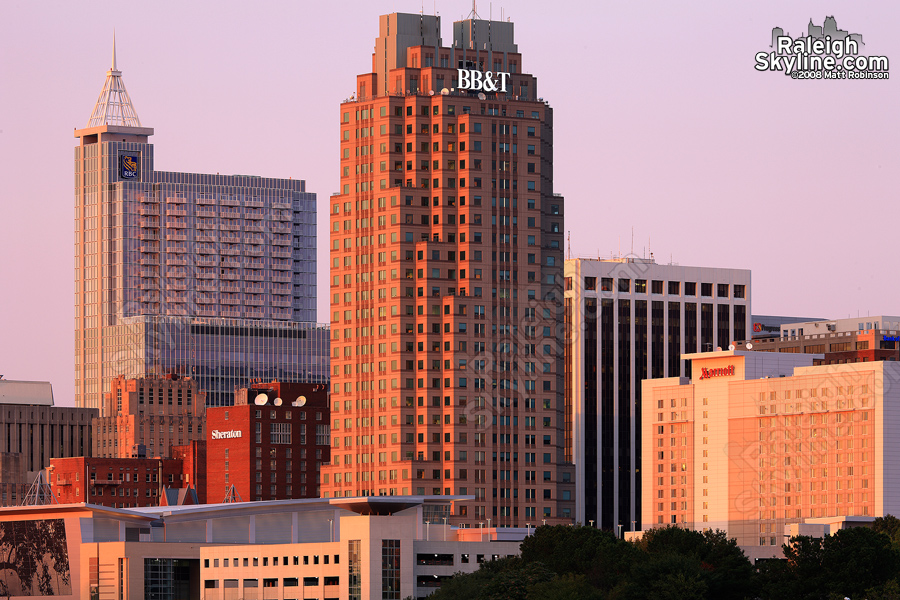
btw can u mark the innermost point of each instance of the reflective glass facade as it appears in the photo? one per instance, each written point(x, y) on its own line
point(220, 354)
point(185, 245)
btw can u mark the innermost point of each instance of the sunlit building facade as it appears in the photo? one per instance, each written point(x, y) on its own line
point(755, 442)
point(446, 280)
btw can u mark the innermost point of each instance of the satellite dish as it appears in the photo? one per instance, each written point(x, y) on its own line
point(261, 400)
point(277, 402)
point(301, 401)
point(481, 96)
point(444, 92)
point(749, 346)
point(431, 92)
point(731, 346)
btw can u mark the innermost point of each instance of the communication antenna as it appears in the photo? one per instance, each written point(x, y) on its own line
point(444, 92)
point(431, 92)
point(731, 346)
point(749, 346)
point(261, 400)
point(481, 96)
point(301, 401)
point(569, 245)
point(277, 402)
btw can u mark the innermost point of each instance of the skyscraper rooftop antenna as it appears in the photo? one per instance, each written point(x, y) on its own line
point(114, 105)
point(474, 13)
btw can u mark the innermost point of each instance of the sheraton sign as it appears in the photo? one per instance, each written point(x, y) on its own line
point(489, 81)
point(225, 435)
point(723, 372)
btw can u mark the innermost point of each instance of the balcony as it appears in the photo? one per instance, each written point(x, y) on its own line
point(206, 200)
point(254, 202)
point(281, 265)
point(254, 239)
point(148, 222)
point(148, 236)
point(176, 223)
point(176, 211)
point(234, 250)
point(254, 276)
point(206, 212)
point(176, 237)
point(181, 248)
point(255, 313)
point(282, 241)
point(176, 273)
point(118, 481)
point(230, 201)
point(148, 273)
point(254, 251)
point(255, 215)
point(174, 200)
point(282, 252)
point(231, 287)
point(254, 301)
point(281, 203)
point(234, 263)
point(147, 285)
point(206, 249)
point(176, 285)
point(208, 261)
point(229, 213)
point(230, 239)
point(281, 228)
point(207, 286)
point(231, 313)
point(176, 261)
point(230, 226)
point(148, 210)
point(284, 290)
point(148, 260)
point(233, 276)
point(207, 237)
point(282, 303)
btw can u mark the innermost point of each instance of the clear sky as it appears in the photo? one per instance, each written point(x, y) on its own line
point(661, 125)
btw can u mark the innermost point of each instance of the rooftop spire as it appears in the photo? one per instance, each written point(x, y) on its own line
point(114, 105)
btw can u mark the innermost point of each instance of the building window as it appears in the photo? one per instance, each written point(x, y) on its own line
point(280, 433)
point(390, 569)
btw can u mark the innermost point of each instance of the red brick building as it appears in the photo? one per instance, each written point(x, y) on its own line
point(127, 482)
point(271, 444)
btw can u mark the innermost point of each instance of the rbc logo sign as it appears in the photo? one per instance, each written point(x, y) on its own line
point(129, 166)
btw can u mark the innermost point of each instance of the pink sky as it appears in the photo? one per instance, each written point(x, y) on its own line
point(661, 124)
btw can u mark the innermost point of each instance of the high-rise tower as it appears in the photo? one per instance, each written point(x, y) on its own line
point(446, 280)
point(209, 276)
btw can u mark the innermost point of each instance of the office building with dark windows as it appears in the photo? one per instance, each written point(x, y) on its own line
point(446, 279)
point(33, 431)
point(196, 274)
point(626, 320)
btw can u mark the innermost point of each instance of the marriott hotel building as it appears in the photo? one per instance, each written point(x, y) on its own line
point(446, 280)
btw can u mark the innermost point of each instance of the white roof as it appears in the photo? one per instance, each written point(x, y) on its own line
point(26, 392)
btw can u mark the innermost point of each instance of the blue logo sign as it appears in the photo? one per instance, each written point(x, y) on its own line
point(129, 165)
point(892, 338)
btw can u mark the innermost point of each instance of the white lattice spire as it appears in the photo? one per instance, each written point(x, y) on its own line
point(114, 105)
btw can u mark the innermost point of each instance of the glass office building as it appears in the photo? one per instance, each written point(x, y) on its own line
point(181, 251)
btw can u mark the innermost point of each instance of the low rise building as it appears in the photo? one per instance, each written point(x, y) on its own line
point(123, 482)
point(756, 442)
point(32, 431)
point(365, 548)
point(840, 341)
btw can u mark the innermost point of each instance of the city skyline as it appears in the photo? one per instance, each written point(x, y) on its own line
point(699, 120)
